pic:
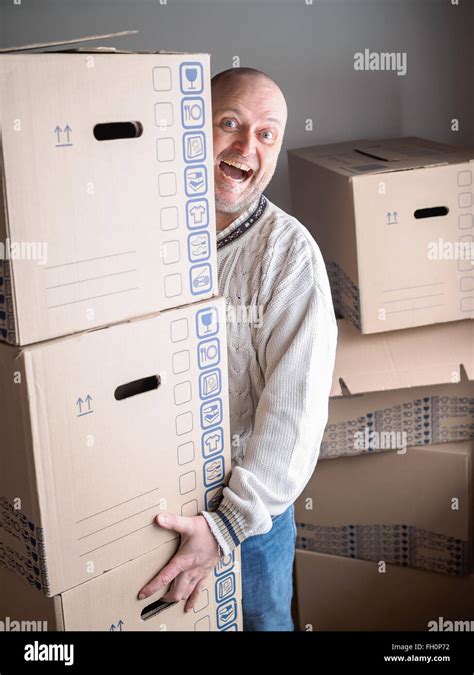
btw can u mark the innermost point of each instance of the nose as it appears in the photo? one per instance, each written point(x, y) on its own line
point(245, 142)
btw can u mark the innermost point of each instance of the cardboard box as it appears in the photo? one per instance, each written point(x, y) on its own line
point(103, 430)
point(400, 389)
point(394, 221)
point(413, 510)
point(107, 190)
point(109, 602)
point(343, 594)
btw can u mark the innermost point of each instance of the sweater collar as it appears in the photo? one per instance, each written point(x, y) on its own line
point(243, 222)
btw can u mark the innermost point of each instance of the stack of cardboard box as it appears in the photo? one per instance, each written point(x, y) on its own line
point(385, 526)
point(113, 405)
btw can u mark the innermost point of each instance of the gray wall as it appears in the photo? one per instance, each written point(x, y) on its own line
point(308, 49)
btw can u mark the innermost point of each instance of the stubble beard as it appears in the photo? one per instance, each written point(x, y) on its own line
point(225, 206)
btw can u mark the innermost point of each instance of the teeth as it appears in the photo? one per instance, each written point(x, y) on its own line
point(244, 167)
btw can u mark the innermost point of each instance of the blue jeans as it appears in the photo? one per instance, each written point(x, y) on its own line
point(267, 576)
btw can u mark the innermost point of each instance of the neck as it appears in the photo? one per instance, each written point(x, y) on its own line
point(225, 219)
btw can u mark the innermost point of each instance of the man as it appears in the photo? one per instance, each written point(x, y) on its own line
point(280, 366)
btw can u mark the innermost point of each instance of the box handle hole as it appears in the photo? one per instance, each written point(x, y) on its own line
point(432, 212)
point(137, 387)
point(111, 131)
point(155, 608)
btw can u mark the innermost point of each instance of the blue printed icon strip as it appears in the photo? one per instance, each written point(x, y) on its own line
point(194, 146)
point(213, 471)
point(212, 445)
point(213, 497)
point(226, 613)
point(195, 180)
point(191, 77)
point(212, 442)
point(200, 279)
point(209, 353)
point(207, 322)
point(209, 383)
point(192, 112)
point(225, 564)
point(225, 587)
point(211, 413)
point(197, 213)
point(199, 246)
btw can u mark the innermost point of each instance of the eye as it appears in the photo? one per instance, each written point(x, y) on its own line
point(270, 136)
point(228, 123)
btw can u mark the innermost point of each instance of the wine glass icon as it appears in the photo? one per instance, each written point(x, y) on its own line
point(206, 321)
point(191, 75)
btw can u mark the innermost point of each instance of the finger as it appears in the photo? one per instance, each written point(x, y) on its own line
point(169, 596)
point(181, 588)
point(165, 577)
point(194, 597)
point(169, 521)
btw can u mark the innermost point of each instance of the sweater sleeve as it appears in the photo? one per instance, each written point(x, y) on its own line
point(296, 345)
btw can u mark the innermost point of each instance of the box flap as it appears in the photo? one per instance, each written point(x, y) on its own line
point(46, 46)
point(363, 157)
point(59, 43)
point(413, 357)
point(379, 151)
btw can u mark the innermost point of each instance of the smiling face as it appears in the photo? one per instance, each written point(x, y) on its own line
point(249, 117)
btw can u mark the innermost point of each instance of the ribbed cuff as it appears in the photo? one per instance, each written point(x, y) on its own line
point(225, 527)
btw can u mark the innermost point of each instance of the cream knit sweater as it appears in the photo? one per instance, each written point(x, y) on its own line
point(282, 336)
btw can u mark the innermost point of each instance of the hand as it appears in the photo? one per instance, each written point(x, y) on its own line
point(194, 560)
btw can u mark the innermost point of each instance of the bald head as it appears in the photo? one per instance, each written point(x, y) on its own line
point(249, 117)
point(228, 80)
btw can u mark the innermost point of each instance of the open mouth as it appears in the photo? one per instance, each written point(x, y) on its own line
point(235, 171)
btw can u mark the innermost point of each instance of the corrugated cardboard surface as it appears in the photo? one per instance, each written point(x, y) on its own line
point(109, 602)
point(51, 45)
point(398, 419)
point(369, 157)
point(413, 510)
point(406, 358)
point(336, 593)
point(139, 211)
point(82, 473)
point(22, 602)
point(417, 382)
point(367, 193)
